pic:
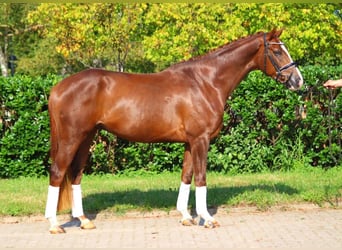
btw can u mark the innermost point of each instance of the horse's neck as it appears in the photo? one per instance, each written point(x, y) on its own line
point(234, 65)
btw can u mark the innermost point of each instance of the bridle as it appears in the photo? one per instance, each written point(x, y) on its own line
point(278, 69)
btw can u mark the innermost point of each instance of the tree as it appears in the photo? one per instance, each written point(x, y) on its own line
point(312, 31)
point(184, 30)
point(90, 35)
point(13, 31)
point(129, 37)
point(5, 34)
point(181, 31)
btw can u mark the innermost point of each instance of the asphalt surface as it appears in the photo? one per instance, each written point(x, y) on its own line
point(308, 227)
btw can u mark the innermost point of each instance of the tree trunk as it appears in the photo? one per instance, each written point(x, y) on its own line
point(3, 64)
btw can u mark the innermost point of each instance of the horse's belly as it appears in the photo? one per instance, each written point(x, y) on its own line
point(146, 128)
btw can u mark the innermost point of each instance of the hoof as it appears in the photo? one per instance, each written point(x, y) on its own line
point(188, 222)
point(87, 224)
point(211, 224)
point(56, 230)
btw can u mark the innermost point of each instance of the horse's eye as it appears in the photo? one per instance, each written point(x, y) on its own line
point(277, 52)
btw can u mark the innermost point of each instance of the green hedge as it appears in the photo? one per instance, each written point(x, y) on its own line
point(266, 127)
point(270, 128)
point(24, 126)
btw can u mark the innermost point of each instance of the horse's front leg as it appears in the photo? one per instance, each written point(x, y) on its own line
point(184, 189)
point(199, 152)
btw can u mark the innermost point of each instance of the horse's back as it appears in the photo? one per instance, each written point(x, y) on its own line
point(99, 78)
point(123, 103)
point(84, 87)
point(76, 82)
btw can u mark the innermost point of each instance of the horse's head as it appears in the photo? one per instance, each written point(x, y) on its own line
point(277, 61)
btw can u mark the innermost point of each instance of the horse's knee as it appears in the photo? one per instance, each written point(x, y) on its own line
point(200, 180)
point(56, 175)
point(186, 178)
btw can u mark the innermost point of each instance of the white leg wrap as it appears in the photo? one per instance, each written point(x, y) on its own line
point(183, 199)
point(201, 203)
point(51, 205)
point(77, 208)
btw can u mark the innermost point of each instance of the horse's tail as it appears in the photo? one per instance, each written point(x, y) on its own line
point(53, 136)
point(65, 193)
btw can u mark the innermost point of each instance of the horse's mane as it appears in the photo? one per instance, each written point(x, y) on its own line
point(224, 48)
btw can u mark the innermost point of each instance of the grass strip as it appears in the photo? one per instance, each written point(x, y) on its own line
point(147, 192)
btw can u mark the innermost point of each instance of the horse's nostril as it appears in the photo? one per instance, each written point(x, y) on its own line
point(282, 78)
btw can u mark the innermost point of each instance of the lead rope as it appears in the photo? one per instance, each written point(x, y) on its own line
point(330, 106)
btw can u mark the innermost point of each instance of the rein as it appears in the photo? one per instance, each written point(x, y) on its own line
point(278, 69)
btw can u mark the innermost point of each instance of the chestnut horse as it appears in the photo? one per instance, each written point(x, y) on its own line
point(183, 103)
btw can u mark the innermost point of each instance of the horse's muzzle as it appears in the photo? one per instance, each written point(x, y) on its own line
point(294, 82)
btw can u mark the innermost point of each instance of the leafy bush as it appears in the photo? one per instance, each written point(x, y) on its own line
point(270, 128)
point(266, 127)
point(24, 126)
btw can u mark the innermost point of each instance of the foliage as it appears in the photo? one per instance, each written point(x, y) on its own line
point(315, 27)
point(41, 61)
point(90, 35)
point(113, 155)
point(266, 128)
point(181, 31)
point(270, 128)
point(24, 126)
point(144, 37)
point(15, 35)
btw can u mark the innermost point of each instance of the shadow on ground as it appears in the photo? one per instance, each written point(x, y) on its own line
point(166, 199)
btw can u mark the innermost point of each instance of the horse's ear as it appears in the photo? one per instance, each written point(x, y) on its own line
point(278, 32)
point(274, 33)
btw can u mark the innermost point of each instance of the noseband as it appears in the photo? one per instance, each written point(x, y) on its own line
point(278, 69)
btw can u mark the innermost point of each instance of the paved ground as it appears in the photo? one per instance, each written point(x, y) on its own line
point(304, 228)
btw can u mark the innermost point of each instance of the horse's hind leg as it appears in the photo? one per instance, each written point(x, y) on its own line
point(68, 155)
point(184, 189)
point(58, 188)
point(78, 167)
